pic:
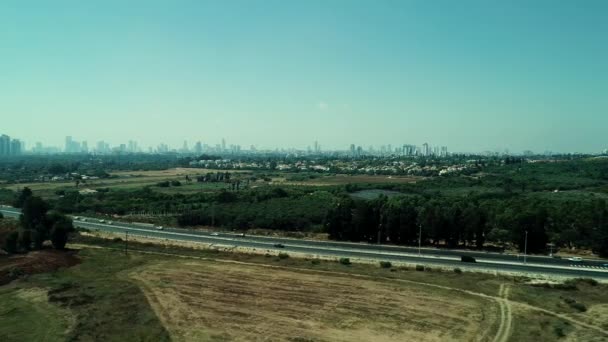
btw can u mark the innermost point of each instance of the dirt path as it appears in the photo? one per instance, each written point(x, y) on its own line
point(506, 318)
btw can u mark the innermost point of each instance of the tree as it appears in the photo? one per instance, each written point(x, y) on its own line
point(33, 213)
point(25, 239)
point(1, 216)
point(60, 232)
point(10, 243)
point(23, 195)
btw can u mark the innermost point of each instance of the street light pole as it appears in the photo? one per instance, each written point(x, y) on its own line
point(526, 247)
point(419, 239)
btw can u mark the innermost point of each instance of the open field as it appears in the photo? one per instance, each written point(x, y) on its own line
point(154, 294)
point(351, 179)
point(213, 301)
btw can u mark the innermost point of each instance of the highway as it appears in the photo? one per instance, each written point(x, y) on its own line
point(535, 265)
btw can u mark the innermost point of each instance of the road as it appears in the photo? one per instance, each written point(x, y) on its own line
point(541, 265)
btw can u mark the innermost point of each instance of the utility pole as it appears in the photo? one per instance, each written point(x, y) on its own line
point(526, 247)
point(419, 239)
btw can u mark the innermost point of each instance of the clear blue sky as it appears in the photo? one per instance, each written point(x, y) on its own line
point(473, 75)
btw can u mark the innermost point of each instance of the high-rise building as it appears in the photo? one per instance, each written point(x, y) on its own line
point(198, 148)
point(426, 151)
point(68, 144)
point(15, 147)
point(5, 145)
point(352, 149)
point(223, 145)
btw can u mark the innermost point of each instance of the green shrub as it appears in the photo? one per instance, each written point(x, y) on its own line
point(419, 267)
point(345, 261)
point(588, 281)
point(116, 239)
point(283, 255)
point(15, 272)
point(386, 264)
point(457, 270)
point(579, 306)
point(315, 261)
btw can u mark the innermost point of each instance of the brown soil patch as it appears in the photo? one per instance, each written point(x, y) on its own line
point(36, 262)
point(217, 302)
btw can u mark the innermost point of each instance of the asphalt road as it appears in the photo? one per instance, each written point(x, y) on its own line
point(542, 265)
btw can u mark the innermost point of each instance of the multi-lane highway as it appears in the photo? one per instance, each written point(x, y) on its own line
point(535, 265)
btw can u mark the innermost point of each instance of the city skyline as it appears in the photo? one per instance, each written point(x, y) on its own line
point(14, 146)
point(472, 75)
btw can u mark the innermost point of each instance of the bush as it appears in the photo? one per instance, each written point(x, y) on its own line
point(588, 281)
point(164, 184)
point(176, 183)
point(419, 267)
point(59, 234)
point(116, 239)
point(386, 264)
point(283, 255)
point(10, 243)
point(315, 261)
point(15, 272)
point(1, 216)
point(457, 270)
point(345, 261)
point(579, 306)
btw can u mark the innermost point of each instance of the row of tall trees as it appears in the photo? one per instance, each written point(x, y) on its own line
point(461, 222)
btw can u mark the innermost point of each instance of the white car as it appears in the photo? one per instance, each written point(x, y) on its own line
point(215, 234)
point(160, 227)
point(110, 222)
point(102, 221)
point(575, 259)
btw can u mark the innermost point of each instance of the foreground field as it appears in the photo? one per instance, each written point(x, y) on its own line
point(214, 301)
point(159, 292)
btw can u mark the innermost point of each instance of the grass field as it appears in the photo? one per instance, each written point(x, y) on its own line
point(351, 179)
point(217, 296)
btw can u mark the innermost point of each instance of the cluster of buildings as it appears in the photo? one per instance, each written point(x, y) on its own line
point(405, 150)
point(386, 167)
point(10, 147)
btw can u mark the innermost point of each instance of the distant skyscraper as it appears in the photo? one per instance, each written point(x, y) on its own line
point(352, 149)
point(426, 151)
point(5, 145)
point(223, 145)
point(68, 144)
point(198, 148)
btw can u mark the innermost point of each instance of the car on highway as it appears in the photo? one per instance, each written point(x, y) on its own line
point(102, 221)
point(215, 234)
point(110, 222)
point(77, 218)
point(241, 235)
point(160, 227)
point(575, 259)
point(279, 245)
point(467, 258)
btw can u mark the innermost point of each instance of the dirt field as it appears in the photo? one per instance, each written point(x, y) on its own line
point(35, 262)
point(213, 301)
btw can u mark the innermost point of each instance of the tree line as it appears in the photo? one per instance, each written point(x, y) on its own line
point(37, 224)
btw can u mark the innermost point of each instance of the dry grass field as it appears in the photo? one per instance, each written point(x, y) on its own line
point(213, 301)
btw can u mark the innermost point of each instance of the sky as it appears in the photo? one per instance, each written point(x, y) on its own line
point(471, 75)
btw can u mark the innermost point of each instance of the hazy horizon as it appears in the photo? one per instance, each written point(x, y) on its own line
point(470, 75)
